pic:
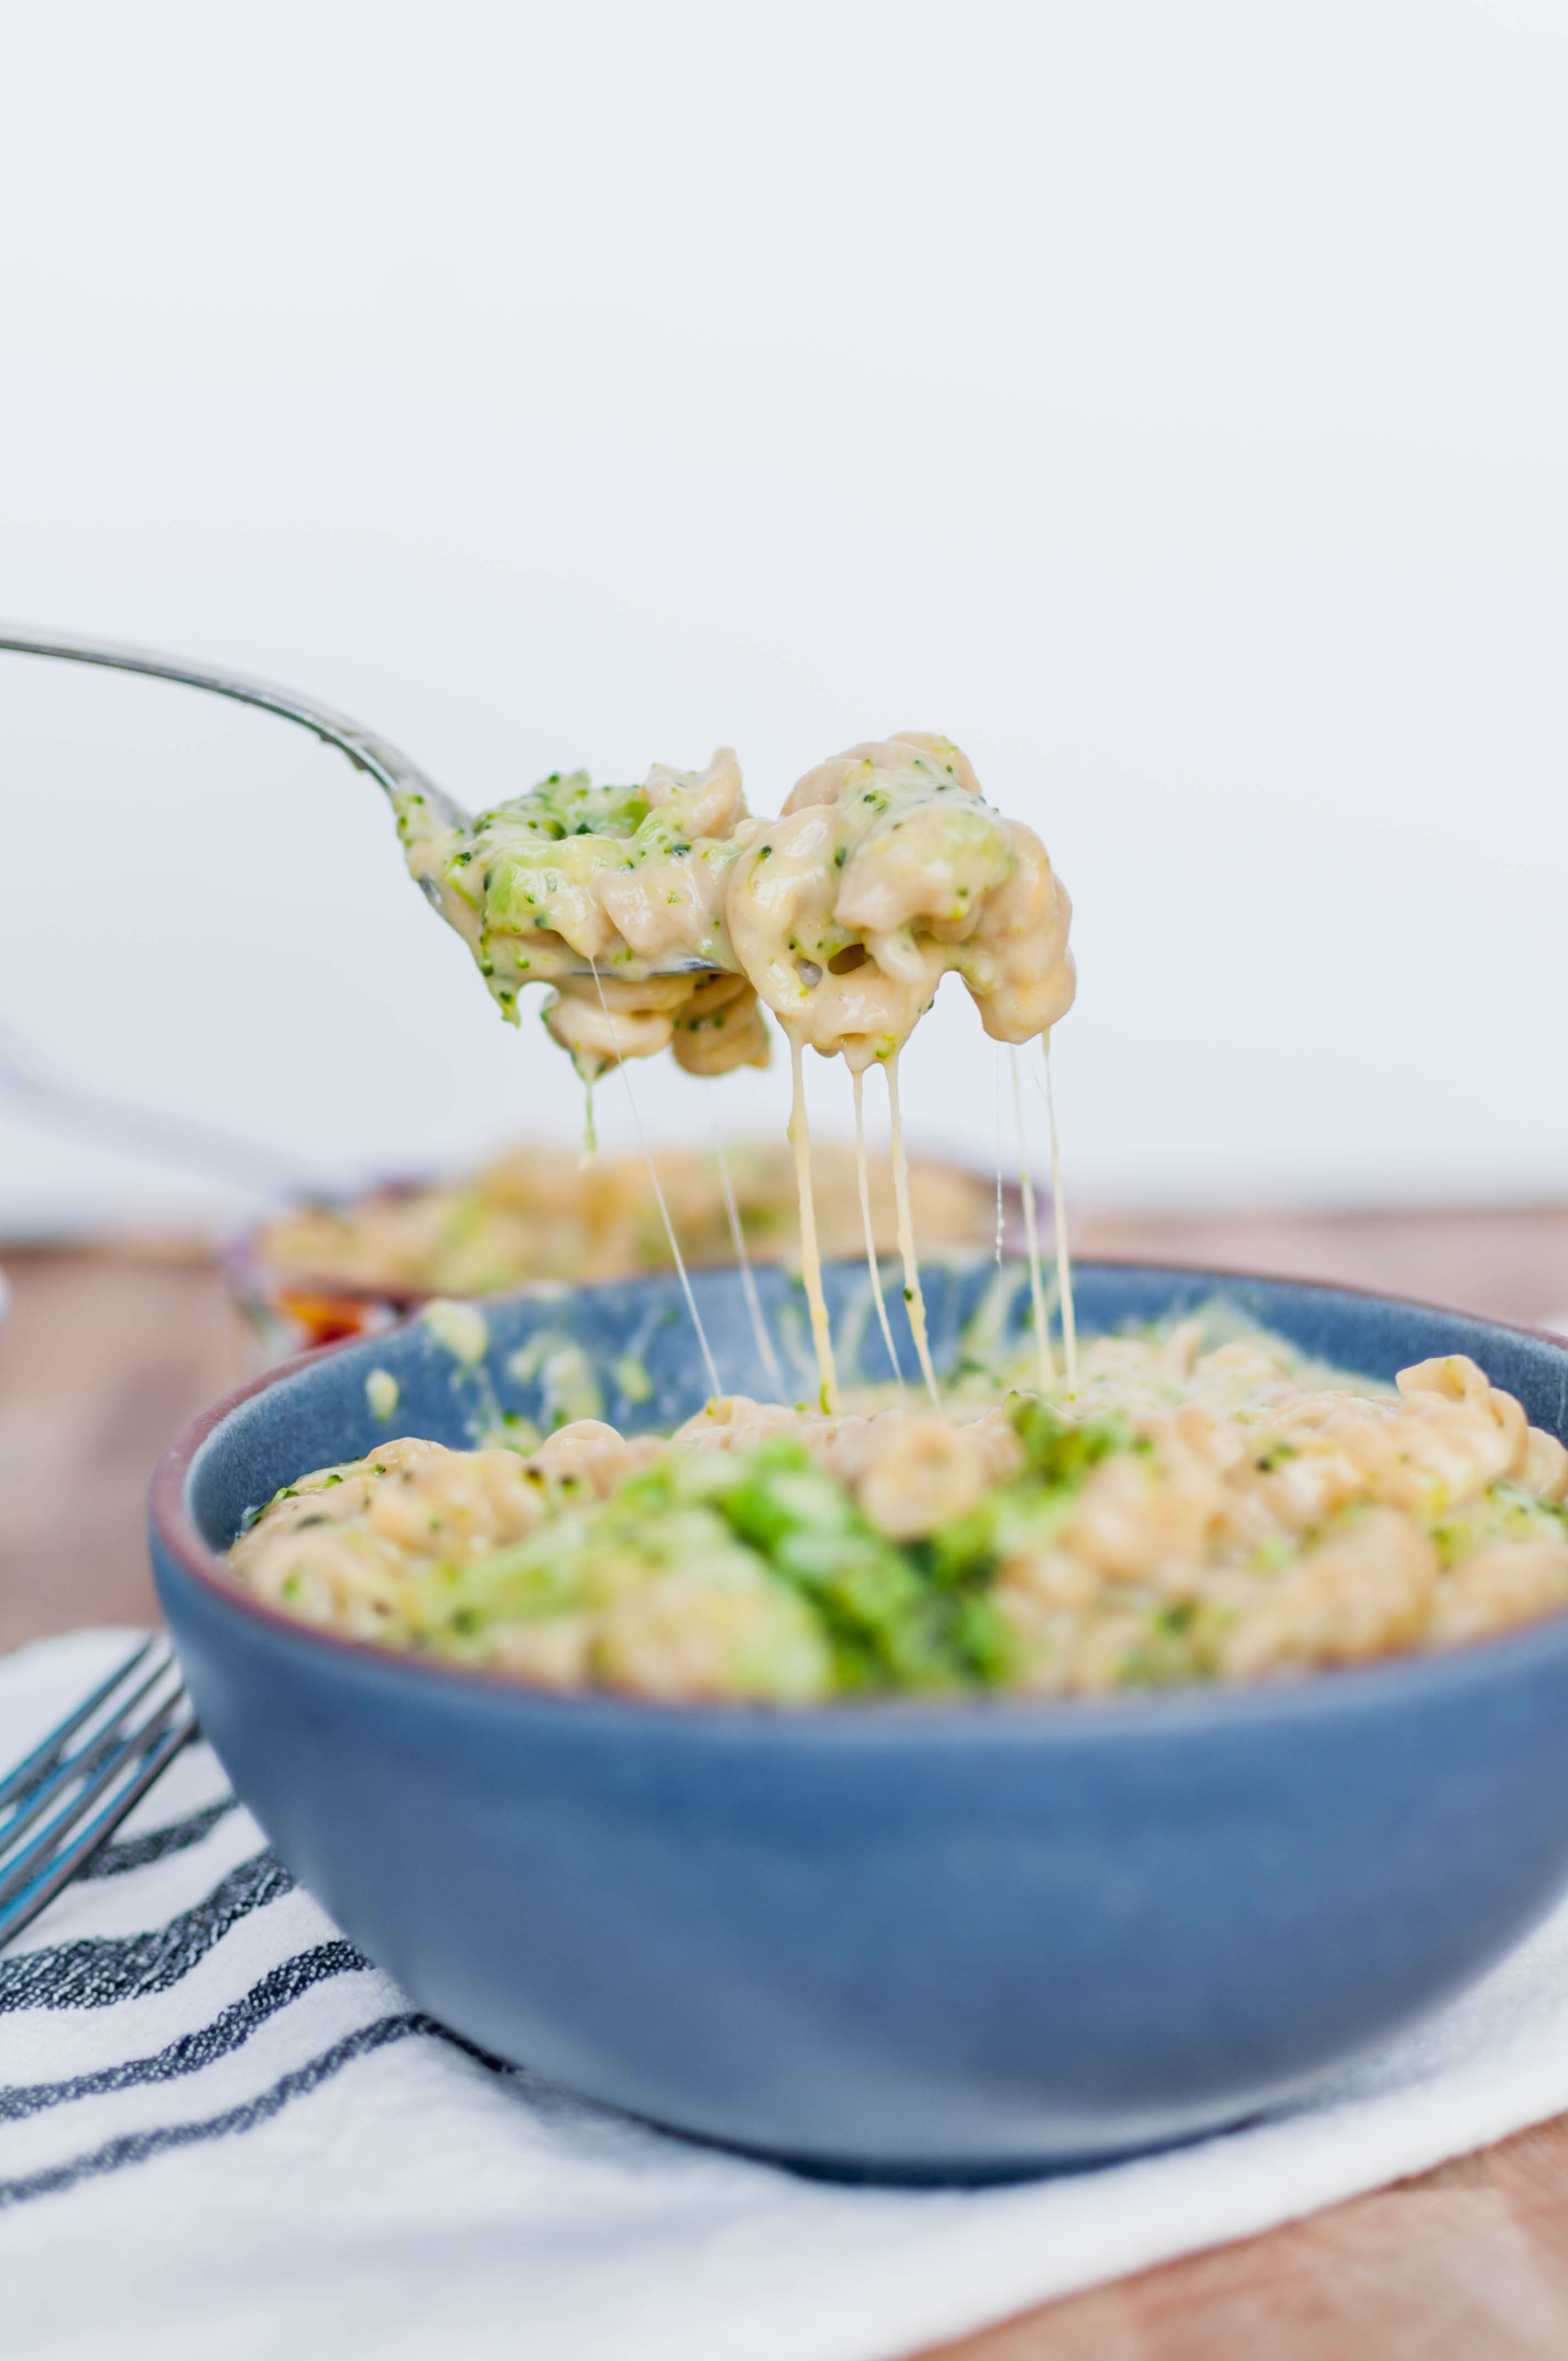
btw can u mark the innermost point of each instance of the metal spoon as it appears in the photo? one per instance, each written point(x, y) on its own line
point(392, 770)
point(400, 778)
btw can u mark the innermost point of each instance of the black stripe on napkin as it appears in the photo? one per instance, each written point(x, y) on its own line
point(227, 2031)
point(140, 1852)
point(98, 1971)
point(135, 2147)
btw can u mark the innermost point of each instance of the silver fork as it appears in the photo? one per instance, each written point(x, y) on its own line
point(68, 1796)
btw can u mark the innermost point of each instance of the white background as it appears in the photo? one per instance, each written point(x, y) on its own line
point(1167, 402)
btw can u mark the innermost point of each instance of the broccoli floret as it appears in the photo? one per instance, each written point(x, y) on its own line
point(894, 1622)
point(1059, 1450)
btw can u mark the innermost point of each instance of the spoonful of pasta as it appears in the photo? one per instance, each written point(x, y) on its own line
point(665, 915)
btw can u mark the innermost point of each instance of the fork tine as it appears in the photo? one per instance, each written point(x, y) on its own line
point(51, 1876)
point(25, 1865)
point(33, 1766)
point(70, 1767)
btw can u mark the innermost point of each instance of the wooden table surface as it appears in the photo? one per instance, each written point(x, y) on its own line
point(107, 1354)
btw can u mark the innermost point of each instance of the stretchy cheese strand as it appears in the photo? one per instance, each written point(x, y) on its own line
point(708, 1361)
point(1064, 1262)
point(748, 1282)
point(1032, 1235)
point(1001, 1225)
point(913, 1298)
point(810, 1260)
point(864, 1183)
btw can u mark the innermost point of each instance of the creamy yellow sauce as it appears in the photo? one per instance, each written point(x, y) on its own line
point(1058, 1217)
point(914, 1302)
point(862, 1184)
point(1032, 1238)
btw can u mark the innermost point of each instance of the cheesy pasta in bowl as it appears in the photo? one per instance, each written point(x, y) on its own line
point(891, 1791)
point(1192, 1515)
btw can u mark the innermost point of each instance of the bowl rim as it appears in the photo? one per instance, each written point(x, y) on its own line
point(994, 1716)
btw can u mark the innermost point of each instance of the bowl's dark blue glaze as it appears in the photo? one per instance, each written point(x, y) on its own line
point(904, 1940)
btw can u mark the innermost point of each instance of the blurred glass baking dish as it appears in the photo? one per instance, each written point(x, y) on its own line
point(317, 1272)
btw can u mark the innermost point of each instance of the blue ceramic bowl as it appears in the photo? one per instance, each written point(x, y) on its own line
point(904, 1940)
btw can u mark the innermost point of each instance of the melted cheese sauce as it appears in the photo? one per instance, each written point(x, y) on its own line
point(862, 1184)
point(665, 916)
point(1064, 1260)
point(1032, 1240)
point(630, 880)
point(915, 1302)
point(810, 1259)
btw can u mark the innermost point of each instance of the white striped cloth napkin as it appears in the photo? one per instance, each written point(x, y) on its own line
point(223, 2132)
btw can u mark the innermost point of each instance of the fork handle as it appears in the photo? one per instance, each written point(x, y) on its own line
point(391, 769)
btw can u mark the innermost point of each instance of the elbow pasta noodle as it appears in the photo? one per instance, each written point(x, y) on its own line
point(1216, 1512)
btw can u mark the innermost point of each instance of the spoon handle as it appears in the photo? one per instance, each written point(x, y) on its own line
point(403, 780)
